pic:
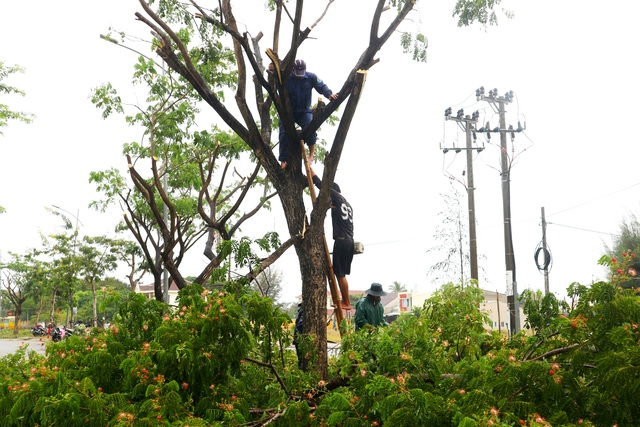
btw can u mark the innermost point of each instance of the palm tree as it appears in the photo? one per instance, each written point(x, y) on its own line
point(397, 287)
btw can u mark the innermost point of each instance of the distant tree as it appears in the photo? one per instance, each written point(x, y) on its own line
point(13, 285)
point(22, 280)
point(133, 257)
point(397, 287)
point(269, 283)
point(452, 242)
point(60, 280)
point(628, 238)
point(96, 257)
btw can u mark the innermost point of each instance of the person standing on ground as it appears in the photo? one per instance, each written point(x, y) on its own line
point(297, 331)
point(299, 86)
point(343, 244)
point(369, 310)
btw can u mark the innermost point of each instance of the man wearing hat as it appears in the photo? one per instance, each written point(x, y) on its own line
point(369, 310)
point(299, 86)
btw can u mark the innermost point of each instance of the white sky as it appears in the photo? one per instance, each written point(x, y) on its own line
point(572, 66)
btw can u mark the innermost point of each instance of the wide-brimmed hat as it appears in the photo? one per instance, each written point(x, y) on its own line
point(376, 290)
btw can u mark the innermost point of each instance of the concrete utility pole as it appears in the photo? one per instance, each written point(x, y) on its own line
point(497, 103)
point(468, 125)
point(546, 261)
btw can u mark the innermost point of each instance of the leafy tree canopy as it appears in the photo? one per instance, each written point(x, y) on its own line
point(6, 113)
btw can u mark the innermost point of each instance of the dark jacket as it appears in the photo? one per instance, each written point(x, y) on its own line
point(368, 312)
point(299, 90)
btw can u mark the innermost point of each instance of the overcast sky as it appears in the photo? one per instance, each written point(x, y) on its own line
point(572, 66)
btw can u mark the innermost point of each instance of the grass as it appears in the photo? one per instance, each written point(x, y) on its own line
point(8, 333)
point(332, 335)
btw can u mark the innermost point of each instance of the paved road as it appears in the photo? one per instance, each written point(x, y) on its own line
point(11, 345)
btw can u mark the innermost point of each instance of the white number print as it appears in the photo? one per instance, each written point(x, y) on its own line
point(347, 212)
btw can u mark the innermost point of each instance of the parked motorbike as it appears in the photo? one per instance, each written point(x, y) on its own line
point(39, 331)
point(57, 334)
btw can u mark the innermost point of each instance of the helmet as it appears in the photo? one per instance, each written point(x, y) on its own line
point(299, 68)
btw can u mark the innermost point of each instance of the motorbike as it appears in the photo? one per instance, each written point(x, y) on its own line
point(39, 331)
point(57, 334)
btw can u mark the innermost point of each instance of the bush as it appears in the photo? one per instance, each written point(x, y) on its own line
point(224, 359)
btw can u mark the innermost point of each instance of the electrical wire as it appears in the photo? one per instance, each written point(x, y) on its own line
point(547, 262)
point(583, 229)
point(595, 200)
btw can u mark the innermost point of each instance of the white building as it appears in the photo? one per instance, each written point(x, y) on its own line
point(147, 290)
point(496, 306)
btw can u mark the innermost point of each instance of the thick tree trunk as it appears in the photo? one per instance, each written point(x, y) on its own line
point(313, 269)
point(311, 258)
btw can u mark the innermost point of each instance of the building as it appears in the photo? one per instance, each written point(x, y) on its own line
point(147, 290)
point(496, 306)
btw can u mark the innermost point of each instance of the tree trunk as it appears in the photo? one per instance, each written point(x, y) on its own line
point(313, 269)
point(52, 312)
point(314, 297)
point(39, 312)
point(95, 303)
point(16, 323)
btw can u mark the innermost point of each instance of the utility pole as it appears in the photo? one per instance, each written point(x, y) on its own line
point(467, 124)
point(498, 103)
point(544, 245)
point(545, 264)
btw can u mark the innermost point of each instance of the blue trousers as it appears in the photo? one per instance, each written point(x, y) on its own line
point(302, 119)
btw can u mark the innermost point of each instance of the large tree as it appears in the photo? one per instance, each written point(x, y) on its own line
point(188, 39)
point(254, 126)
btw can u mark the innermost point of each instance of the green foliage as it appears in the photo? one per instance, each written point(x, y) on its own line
point(482, 11)
point(223, 359)
point(539, 310)
point(6, 113)
point(627, 240)
point(416, 45)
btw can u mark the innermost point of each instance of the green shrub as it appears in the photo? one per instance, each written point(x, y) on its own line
point(222, 359)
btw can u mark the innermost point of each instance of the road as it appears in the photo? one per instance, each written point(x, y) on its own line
point(11, 345)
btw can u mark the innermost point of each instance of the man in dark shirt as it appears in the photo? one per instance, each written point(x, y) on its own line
point(343, 244)
point(299, 86)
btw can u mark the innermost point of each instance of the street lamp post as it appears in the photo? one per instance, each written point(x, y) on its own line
point(75, 240)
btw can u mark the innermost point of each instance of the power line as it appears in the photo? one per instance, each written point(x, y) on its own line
point(583, 229)
point(595, 200)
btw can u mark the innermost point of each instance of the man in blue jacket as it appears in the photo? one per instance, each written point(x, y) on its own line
point(299, 86)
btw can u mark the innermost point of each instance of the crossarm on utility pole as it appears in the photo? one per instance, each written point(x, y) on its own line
point(333, 285)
